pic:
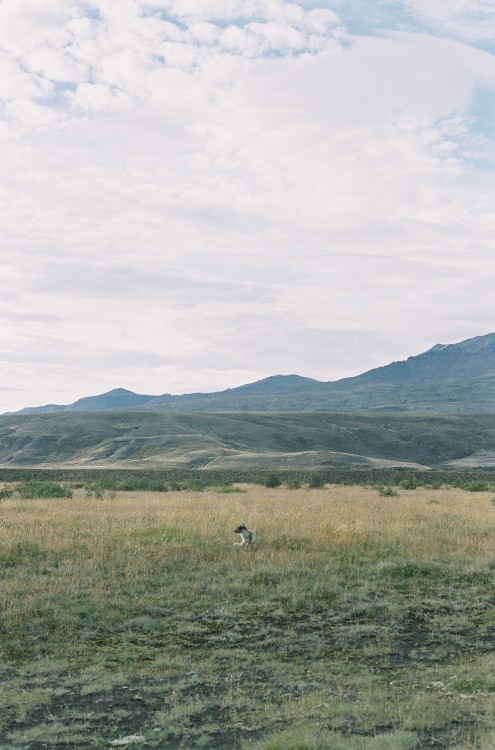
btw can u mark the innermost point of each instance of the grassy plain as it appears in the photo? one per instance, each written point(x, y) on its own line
point(358, 622)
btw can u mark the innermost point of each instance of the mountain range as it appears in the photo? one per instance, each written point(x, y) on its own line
point(448, 378)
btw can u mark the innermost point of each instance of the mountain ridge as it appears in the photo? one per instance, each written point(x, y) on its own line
point(446, 378)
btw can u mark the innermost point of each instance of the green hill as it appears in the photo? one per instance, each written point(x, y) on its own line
point(133, 439)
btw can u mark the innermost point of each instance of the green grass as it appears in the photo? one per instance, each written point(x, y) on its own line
point(358, 621)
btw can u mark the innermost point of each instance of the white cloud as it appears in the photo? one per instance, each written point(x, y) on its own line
point(473, 20)
point(125, 45)
point(53, 65)
point(203, 185)
point(28, 115)
point(28, 24)
point(14, 82)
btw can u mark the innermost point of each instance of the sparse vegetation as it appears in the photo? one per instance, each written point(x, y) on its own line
point(229, 489)
point(95, 489)
point(387, 492)
point(356, 623)
point(139, 484)
point(293, 484)
point(195, 485)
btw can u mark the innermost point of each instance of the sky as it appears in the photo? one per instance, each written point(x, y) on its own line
point(196, 194)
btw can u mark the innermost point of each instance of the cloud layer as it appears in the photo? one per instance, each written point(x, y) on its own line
point(195, 195)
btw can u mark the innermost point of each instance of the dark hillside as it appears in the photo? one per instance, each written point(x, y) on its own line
point(474, 358)
point(119, 398)
point(248, 440)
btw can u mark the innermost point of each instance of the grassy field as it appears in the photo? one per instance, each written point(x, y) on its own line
point(359, 622)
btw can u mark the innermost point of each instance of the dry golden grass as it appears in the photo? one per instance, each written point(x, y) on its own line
point(355, 617)
point(447, 524)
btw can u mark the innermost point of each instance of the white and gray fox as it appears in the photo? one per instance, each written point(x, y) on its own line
point(247, 537)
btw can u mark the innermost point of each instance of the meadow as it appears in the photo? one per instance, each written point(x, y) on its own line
point(361, 620)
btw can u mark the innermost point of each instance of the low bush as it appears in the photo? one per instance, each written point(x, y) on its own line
point(141, 484)
point(195, 485)
point(316, 482)
point(408, 483)
point(387, 492)
point(293, 484)
point(95, 489)
point(476, 485)
point(228, 488)
point(272, 480)
point(33, 489)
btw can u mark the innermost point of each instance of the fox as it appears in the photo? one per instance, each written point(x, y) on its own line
point(247, 537)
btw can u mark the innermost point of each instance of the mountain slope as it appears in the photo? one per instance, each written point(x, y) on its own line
point(452, 378)
point(457, 378)
point(119, 398)
point(132, 439)
point(473, 358)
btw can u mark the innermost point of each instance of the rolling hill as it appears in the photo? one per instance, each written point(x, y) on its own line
point(454, 378)
point(136, 439)
point(433, 410)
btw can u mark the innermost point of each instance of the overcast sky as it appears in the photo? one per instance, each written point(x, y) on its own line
point(195, 194)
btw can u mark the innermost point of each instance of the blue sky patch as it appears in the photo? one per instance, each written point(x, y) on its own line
point(483, 112)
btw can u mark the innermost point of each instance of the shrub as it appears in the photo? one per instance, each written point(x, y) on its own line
point(137, 484)
point(272, 480)
point(387, 492)
point(293, 484)
point(476, 485)
point(228, 488)
point(34, 489)
point(316, 482)
point(6, 492)
point(408, 483)
point(195, 485)
point(95, 489)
